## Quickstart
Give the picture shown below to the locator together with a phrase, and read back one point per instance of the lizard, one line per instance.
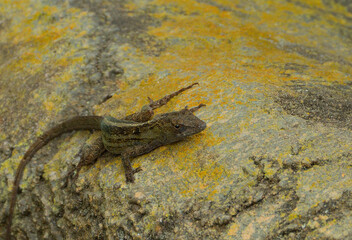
(131, 136)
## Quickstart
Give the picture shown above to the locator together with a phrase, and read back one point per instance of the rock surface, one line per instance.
(273, 163)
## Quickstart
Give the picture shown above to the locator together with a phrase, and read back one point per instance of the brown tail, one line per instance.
(75, 123)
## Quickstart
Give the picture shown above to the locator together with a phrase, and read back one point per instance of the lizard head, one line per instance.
(181, 124)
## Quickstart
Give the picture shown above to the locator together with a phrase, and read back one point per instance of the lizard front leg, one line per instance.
(132, 152)
(144, 115)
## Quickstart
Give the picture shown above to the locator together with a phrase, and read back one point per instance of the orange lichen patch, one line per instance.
(188, 164)
(81, 34)
(37, 47)
(233, 230)
(49, 106)
(51, 102)
(211, 172)
(130, 6)
(206, 39)
(39, 35)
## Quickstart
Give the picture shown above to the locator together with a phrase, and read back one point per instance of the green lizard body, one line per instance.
(134, 135)
(165, 128)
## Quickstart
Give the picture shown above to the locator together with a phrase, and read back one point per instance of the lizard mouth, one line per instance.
(191, 131)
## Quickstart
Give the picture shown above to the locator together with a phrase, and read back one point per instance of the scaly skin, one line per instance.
(134, 135)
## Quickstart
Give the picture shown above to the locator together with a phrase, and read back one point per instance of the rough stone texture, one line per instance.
(274, 162)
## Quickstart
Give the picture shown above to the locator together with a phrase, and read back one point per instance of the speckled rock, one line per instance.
(273, 163)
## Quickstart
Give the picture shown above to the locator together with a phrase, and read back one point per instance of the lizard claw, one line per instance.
(151, 101)
(71, 176)
(130, 175)
(65, 182)
(196, 108)
(136, 170)
(129, 178)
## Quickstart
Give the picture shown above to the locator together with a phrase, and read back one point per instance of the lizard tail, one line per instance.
(75, 123)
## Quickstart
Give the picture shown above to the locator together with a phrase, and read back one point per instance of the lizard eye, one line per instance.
(177, 126)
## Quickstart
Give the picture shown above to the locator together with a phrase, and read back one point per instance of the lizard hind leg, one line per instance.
(146, 113)
(163, 101)
(89, 155)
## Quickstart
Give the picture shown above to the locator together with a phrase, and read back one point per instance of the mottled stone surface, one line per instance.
(274, 162)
